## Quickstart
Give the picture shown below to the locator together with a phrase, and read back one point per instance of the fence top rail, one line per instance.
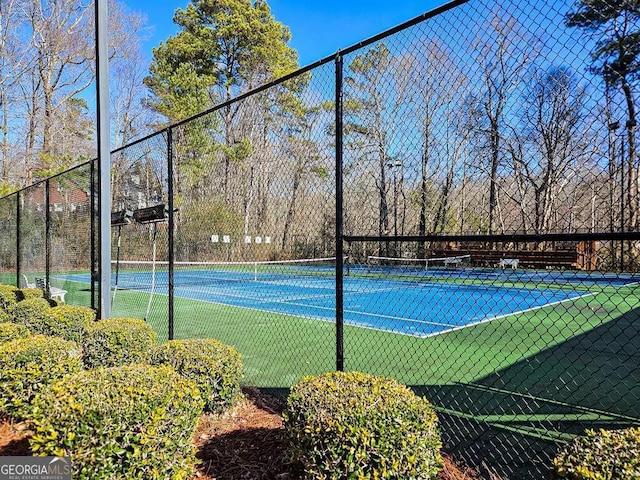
(518, 237)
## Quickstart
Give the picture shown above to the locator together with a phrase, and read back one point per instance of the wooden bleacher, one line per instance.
(580, 257)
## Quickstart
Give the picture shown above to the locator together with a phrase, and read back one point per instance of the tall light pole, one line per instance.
(104, 156)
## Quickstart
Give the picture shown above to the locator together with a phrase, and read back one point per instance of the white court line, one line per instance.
(487, 320)
(262, 298)
(278, 283)
(439, 324)
(292, 301)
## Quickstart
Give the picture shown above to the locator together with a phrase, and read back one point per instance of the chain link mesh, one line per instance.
(488, 216)
(140, 182)
(259, 193)
(487, 125)
(70, 219)
(8, 240)
(32, 212)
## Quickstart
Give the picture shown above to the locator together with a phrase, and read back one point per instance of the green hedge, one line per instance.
(11, 331)
(117, 341)
(30, 365)
(8, 296)
(134, 421)
(66, 321)
(28, 293)
(215, 367)
(5, 317)
(352, 425)
(32, 313)
(600, 455)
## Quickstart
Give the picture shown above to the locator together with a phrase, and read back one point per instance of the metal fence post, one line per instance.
(18, 243)
(92, 241)
(339, 232)
(47, 238)
(170, 227)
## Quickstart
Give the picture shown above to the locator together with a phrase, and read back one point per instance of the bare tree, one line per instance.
(62, 42)
(438, 88)
(503, 54)
(554, 127)
(12, 53)
(305, 158)
(127, 68)
(373, 111)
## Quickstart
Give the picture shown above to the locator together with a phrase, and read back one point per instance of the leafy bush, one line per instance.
(133, 421)
(66, 321)
(11, 331)
(601, 455)
(117, 341)
(353, 425)
(8, 296)
(5, 317)
(215, 367)
(28, 293)
(28, 366)
(32, 313)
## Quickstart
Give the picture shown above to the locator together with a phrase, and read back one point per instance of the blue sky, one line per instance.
(318, 28)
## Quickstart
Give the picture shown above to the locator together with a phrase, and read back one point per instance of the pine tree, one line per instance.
(233, 45)
(616, 57)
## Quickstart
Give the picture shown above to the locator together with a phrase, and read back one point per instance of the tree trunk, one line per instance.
(632, 167)
(422, 222)
(493, 186)
(291, 211)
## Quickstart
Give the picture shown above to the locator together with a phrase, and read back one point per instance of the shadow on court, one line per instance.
(500, 422)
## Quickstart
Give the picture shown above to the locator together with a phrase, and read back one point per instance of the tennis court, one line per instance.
(409, 301)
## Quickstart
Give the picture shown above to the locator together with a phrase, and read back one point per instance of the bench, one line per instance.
(453, 261)
(26, 282)
(526, 258)
(509, 262)
(54, 292)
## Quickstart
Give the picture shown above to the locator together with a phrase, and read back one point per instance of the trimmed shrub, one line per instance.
(117, 341)
(32, 313)
(11, 331)
(28, 293)
(215, 367)
(353, 425)
(133, 421)
(600, 455)
(8, 296)
(66, 321)
(5, 317)
(30, 365)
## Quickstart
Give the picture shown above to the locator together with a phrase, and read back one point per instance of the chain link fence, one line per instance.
(453, 203)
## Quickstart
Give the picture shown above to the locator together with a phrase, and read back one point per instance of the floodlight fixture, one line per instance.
(120, 218)
(157, 213)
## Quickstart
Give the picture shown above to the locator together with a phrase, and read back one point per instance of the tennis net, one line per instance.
(140, 274)
(401, 265)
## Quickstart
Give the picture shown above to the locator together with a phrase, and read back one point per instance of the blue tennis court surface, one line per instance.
(417, 308)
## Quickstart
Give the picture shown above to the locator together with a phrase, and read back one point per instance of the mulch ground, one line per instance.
(246, 442)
